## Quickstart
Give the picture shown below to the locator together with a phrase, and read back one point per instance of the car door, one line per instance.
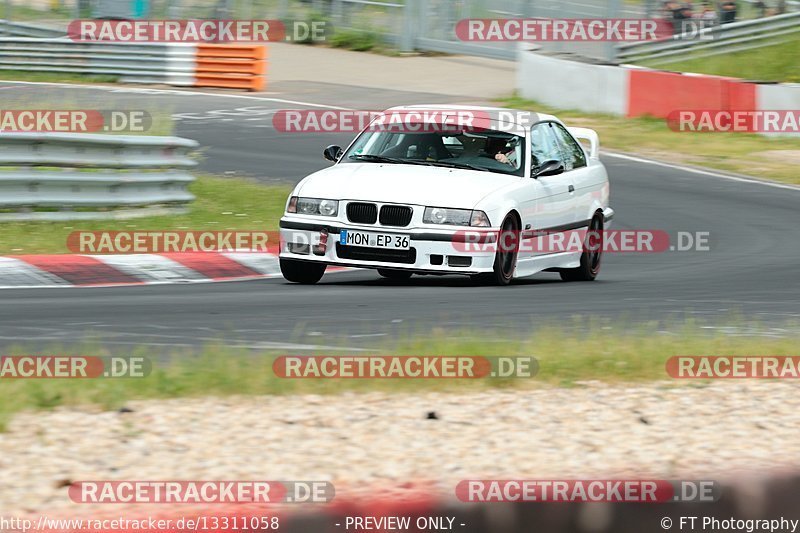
(551, 207)
(585, 182)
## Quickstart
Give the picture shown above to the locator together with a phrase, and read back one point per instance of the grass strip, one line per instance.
(770, 63)
(55, 77)
(567, 357)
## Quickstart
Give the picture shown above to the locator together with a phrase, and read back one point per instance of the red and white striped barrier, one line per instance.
(634, 91)
(72, 270)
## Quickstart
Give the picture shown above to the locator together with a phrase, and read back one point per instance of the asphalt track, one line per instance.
(747, 282)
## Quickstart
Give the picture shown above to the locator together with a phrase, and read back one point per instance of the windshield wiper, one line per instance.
(458, 165)
(377, 158)
(384, 159)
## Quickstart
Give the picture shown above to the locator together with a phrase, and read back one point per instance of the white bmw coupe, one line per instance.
(452, 190)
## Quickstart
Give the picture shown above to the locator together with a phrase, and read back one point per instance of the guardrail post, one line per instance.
(614, 10)
(408, 38)
(336, 14)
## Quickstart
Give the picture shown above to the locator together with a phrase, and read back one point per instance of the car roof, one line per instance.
(494, 113)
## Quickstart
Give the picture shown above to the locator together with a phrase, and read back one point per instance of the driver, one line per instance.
(504, 152)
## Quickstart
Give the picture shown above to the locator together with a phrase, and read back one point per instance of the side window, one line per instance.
(544, 145)
(573, 153)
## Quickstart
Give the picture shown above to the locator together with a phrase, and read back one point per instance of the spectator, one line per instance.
(761, 8)
(708, 16)
(679, 14)
(781, 7)
(727, 11)
(666, 9)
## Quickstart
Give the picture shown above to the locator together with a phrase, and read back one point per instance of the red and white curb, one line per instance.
(28, 271)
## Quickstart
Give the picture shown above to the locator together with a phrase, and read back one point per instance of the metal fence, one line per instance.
(67, 176)
(407, 25)
(429, 25)
(725, 39)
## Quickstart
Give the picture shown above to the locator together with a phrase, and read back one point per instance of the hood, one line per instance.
(407, 184)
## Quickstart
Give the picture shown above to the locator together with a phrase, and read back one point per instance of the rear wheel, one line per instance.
(505, 259)
(304, 272)
(397, 275)
(591, 256)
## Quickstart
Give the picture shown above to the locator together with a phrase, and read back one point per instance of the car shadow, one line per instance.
(432, 281)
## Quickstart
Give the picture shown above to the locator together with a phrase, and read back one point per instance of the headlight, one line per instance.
(455, 217)
(313, 206)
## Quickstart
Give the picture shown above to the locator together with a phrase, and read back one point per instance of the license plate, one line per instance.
(371, 239)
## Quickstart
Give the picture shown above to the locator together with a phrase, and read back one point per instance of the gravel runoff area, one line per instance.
(357, 441)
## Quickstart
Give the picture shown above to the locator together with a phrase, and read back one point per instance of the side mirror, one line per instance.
(332, 153)
(551, 167)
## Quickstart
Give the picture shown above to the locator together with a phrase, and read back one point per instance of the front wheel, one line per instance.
(505, 259)
(303, 272)
(396, 275)
(592, 253)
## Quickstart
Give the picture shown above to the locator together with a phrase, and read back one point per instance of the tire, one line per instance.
(396, 275)
(505, 261)
(590, 259)
(304, 272)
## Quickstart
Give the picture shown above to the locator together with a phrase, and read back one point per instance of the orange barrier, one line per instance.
(655, 93)
(232, 66)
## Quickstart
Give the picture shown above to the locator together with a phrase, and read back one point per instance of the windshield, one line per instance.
(485, 150)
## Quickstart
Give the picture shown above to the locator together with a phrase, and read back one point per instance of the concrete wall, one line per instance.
(634, 92)
(572, 85)
(778, 96)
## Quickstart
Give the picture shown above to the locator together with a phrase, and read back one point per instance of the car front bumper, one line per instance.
(439, 251)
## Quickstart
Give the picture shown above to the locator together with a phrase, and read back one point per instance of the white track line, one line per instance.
(144, 90)
(731, 177)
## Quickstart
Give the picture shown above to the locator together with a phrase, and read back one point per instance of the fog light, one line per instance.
(459, 260)
(299, 248)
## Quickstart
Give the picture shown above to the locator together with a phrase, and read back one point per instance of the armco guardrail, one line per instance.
(237, 66)
(724, 39)
(92, 173)
(22, 29)
(168, 63)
